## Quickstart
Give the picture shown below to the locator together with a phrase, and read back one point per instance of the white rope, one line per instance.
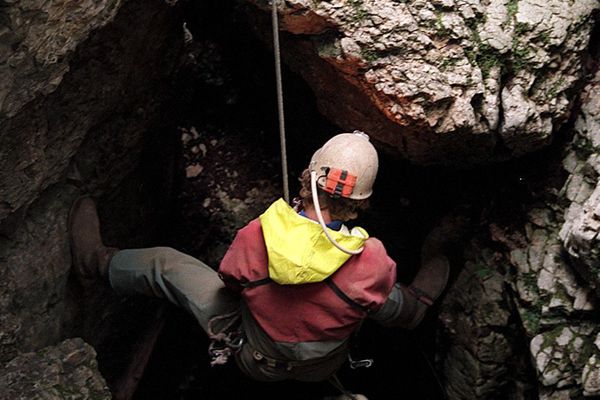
(278, 79)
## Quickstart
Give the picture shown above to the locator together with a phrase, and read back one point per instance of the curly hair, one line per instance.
(341, 208)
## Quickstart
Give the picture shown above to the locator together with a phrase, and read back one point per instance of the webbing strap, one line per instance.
(344, 296)
(328, 281)
(258, 282)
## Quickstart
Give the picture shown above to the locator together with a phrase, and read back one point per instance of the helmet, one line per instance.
(346, 166)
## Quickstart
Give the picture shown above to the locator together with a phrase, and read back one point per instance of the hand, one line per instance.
(451, 229)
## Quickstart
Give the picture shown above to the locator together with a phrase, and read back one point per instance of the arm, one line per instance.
(406, 305)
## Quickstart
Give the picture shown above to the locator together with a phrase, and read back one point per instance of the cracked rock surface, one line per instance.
(546, 259)
(445, 81)
(37, 40)
(580, 232)
(66, 371)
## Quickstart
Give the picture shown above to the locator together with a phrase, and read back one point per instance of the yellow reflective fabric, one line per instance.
(298, 250)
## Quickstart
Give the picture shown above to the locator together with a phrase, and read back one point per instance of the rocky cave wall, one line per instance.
(525, 306)
(84, 88)
(443, 81)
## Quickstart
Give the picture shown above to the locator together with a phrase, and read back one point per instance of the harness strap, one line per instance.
(329, 282)
(345, 297)
(286, 365)
(258, 282)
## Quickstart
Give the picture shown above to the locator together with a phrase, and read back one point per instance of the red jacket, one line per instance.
(327, 311)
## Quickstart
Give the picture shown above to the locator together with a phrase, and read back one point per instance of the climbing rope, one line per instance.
(278, 80)
(335, 382)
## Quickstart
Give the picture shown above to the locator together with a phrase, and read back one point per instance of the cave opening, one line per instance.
(222, 115)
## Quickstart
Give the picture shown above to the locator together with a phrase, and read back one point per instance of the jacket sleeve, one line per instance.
(390, 313)
(245, 258)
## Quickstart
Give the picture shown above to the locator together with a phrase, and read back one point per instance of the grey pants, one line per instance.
(167, 273)
(189, 283)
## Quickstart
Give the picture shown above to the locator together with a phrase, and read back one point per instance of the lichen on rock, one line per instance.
(439, 78)
(548, 257)
(580, 232)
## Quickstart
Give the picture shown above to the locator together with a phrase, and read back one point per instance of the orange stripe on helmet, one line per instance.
(339, 182)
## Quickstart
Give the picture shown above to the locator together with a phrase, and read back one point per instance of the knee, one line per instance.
(167, 259)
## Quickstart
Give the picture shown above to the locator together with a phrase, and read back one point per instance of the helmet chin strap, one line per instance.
(315, 198)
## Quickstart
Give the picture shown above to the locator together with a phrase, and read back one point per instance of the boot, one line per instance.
(432, 277)
(90, 256)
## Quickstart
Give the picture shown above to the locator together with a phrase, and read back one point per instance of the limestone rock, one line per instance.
(442, 81)
(37, 41)
(560, 351)
(591, 376)
(32, 297)
(38, 141)
(580, 231)
(480, 360)
(59, 144)
(553, 290)
(591, 372)
(66, 371)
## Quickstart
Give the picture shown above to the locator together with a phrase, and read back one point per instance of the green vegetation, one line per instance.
(595, 270)
(447, 62)
(551, 336)
(529, 280)
(483, 271)
(369, 55)
(584, 148)
(544, 37)
(520, 56)
(488, 58)
(512, 8)
(520, 28)
(439, 25)
(531, 320)
(556, 87)
(360, 12)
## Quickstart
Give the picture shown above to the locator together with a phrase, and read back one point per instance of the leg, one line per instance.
(167, 273)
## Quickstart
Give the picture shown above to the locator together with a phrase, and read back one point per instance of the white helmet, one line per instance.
(346, 166)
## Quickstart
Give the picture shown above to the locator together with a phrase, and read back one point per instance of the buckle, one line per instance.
(236, 343)
(366, 363)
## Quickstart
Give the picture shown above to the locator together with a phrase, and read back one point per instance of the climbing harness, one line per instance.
(228, 341)
(280, 113)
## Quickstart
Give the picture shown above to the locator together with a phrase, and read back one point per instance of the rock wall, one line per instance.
(66, 371)
(82, 86)
(543, 314)
(37, 43)
(447, 81)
